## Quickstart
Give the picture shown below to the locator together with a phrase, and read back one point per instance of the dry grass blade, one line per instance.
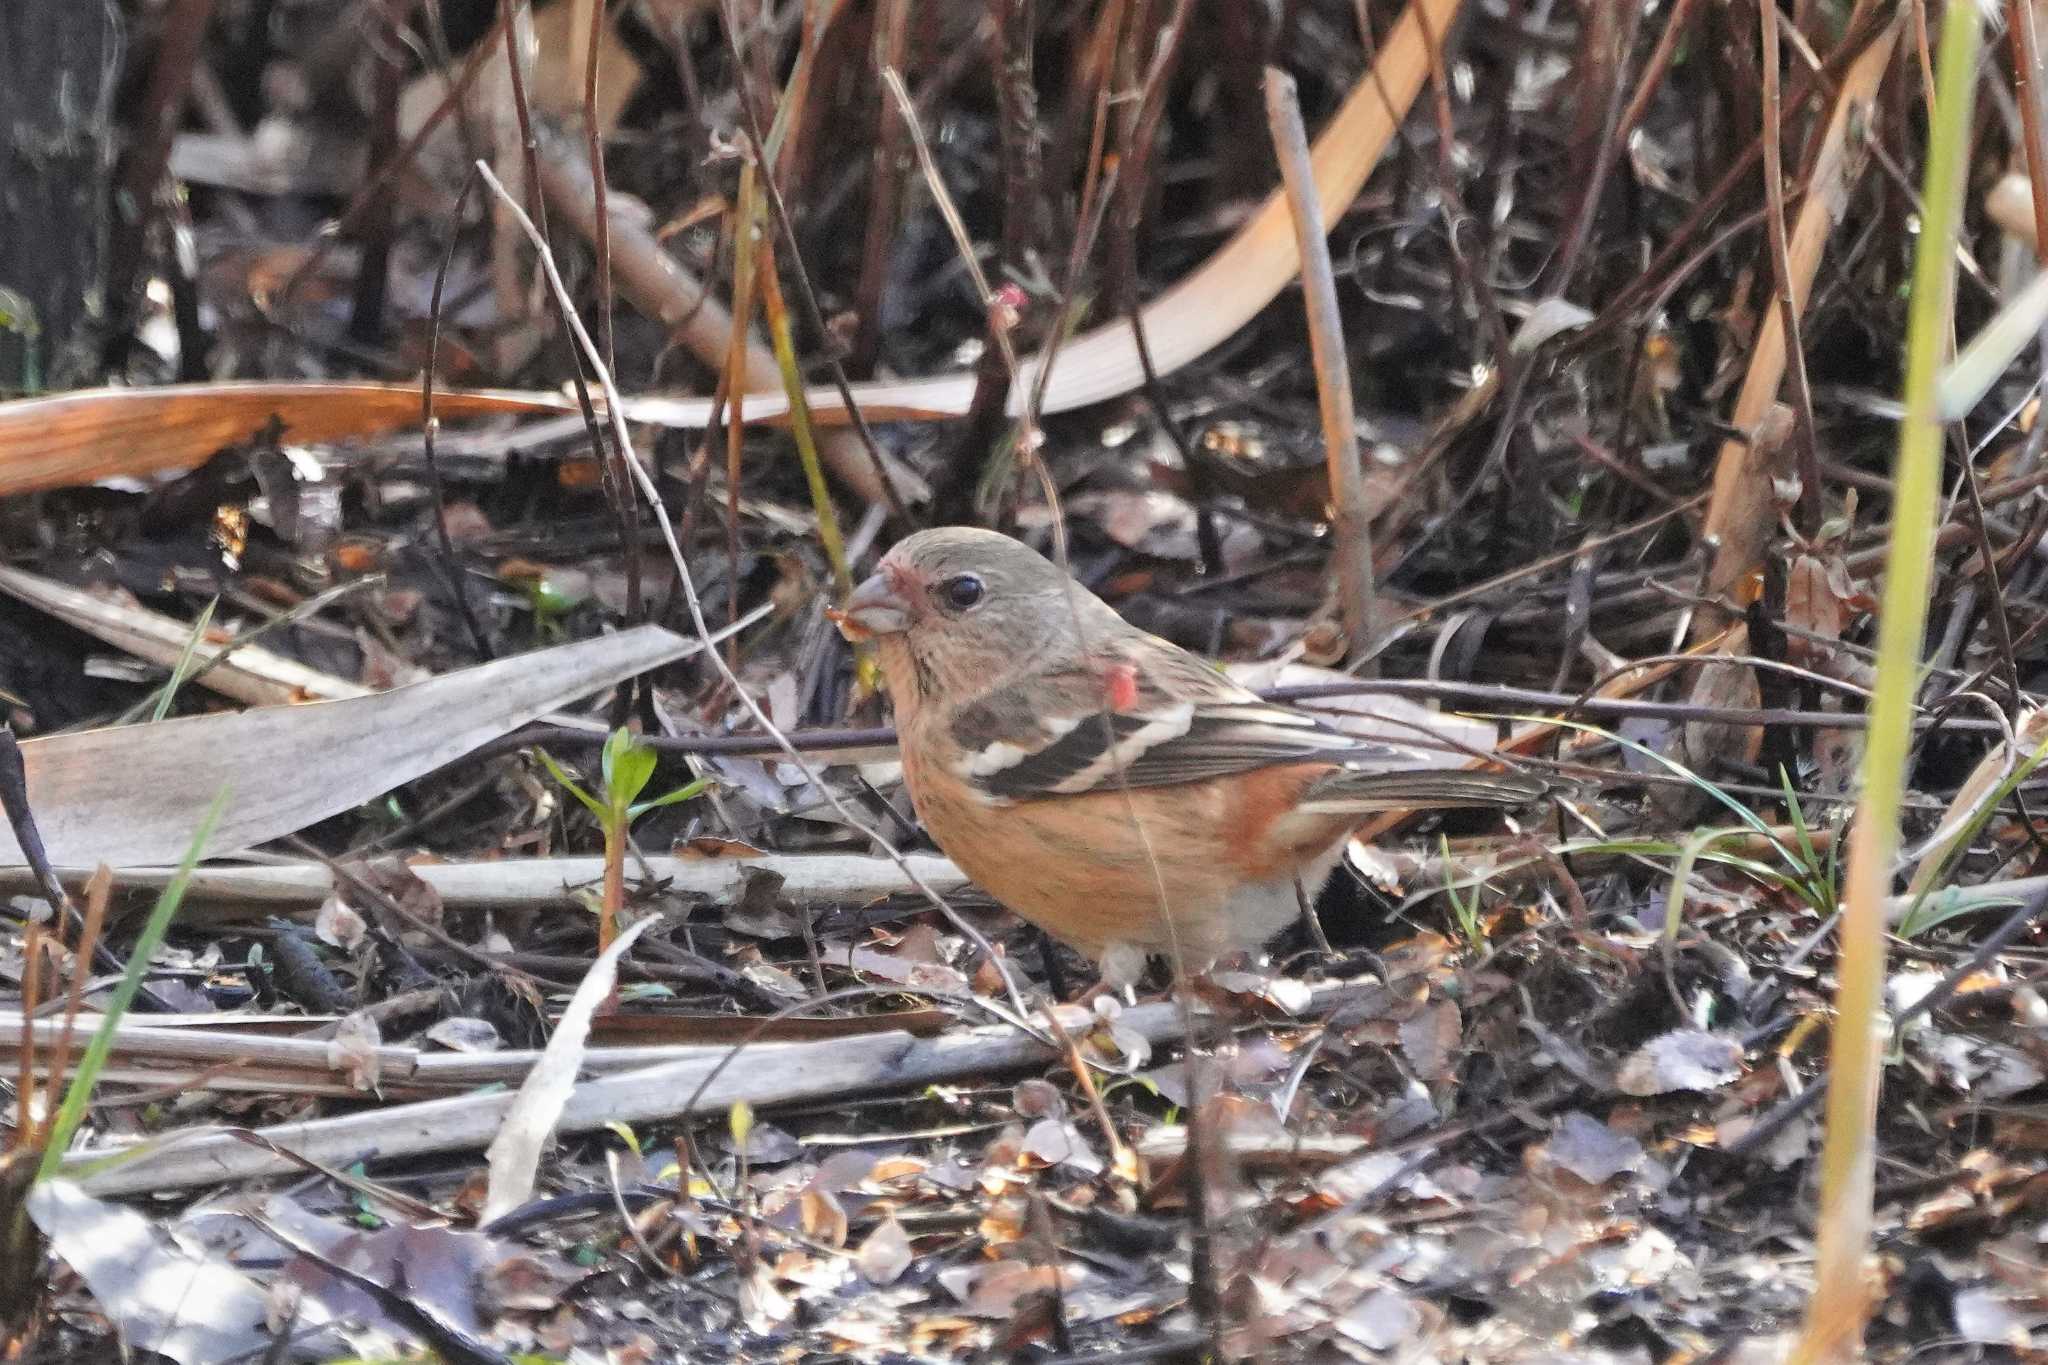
(125, 795)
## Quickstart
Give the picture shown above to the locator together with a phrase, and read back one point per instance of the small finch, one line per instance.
(1105, 784)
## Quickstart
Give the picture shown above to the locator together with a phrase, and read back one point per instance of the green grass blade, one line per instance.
(183, 670)
(1835, 1316)
(1742, 812)
(78, 1094)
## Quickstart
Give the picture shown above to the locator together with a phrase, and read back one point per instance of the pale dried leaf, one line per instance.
(822, 1218)
(160, 1296)
(1683, 1059)
(353, 1050)
(514, 1155)
(1430, 1039)
(337, 924)
(885, 1255)
(1383, 1320)
(1592, 1151)
(464, 1033)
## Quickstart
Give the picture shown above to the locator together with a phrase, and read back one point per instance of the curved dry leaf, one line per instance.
(1056, 1142)
(466, 1033)
(76, 438)
(1591, 1150)
(1384, 1320)
(354, 1050)
(821, 1217)
(1430, 1040)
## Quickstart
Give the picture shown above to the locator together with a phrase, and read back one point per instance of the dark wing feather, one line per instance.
(1056, 734)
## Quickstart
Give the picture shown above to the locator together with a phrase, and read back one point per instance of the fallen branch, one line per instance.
(807, 878)
(775, 1074)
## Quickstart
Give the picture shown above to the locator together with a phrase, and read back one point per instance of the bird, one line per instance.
(1116, 790)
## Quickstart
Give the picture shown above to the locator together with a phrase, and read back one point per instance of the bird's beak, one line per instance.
(875, 608)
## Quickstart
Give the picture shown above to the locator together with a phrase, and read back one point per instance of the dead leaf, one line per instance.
(337, 924)
(160, 1295)
(821, 1218)
(1383, 1320)
(1683, 1059)
(86, 435)
(514, 1154)
(1430, 1040)
(1591, 1150)
(463, 1033)
(885, 1255)
(353, 1050)
(1055, 1142)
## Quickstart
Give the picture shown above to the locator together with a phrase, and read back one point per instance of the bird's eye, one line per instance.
(962, 591)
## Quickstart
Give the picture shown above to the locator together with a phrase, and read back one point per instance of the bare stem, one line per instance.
(1357, 597)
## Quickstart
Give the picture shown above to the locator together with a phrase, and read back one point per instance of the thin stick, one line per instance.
(2026, 92)
(1357, 599)
(430, 427)
(26, 1122)
(617, 484)
(98, 892)
(948, 210)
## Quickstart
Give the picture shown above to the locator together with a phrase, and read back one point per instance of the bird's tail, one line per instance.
(1363, 791)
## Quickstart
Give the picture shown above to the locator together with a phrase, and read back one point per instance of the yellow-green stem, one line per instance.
(1834, 1322)
(800, 418)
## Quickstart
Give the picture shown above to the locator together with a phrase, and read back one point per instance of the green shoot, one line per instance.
(627, 766)
(1464, 908)
(1804, 867)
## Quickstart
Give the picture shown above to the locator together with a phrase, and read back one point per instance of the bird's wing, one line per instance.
(1140, 714)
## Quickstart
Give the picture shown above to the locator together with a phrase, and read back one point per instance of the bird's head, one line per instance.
(956, 598)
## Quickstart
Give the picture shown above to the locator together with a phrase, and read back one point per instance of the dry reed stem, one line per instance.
(1827, 190)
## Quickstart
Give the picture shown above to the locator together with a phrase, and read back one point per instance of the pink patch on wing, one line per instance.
(1120, 686)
